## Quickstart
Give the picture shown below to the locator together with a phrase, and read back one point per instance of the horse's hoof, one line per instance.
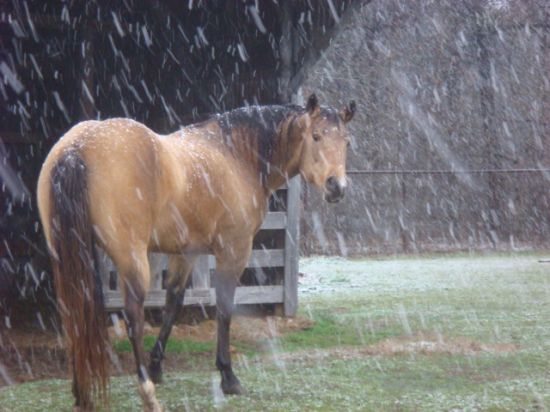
(233, 389)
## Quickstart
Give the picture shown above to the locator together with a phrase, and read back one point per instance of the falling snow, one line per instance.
(448, 152)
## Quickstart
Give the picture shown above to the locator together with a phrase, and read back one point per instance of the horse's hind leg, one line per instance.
(230, 264)
(179, 268)
(135, 277)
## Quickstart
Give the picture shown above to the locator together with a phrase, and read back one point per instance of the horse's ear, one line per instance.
(347, 112)
(312, 105)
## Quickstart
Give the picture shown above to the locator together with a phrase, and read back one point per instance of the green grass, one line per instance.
(330, 331)
(172, 346)
(487, 299)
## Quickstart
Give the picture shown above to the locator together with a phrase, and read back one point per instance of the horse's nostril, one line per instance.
(332, 184)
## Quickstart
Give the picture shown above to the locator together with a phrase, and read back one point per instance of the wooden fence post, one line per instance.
(292, 247)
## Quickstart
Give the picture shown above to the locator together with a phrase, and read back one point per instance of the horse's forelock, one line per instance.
(330, 114)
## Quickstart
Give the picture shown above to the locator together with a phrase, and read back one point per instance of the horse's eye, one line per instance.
(316, 137)
(348, 144)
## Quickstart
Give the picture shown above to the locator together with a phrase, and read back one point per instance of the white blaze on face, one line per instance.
(340, 175)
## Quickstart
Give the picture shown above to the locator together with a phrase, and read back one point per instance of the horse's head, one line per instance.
(325, 142)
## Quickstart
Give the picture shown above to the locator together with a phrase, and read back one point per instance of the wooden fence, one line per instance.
(271, 276)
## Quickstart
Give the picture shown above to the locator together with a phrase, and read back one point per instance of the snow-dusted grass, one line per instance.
(502, 298)
(361, 307)
(395, 275)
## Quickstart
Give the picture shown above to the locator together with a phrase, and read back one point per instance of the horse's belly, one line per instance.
(179, 236)
(176, 246)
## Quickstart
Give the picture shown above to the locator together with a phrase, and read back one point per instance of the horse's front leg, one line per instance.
(179, 268)
(230, 264)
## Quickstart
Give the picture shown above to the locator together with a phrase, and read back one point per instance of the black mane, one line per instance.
(261, 123)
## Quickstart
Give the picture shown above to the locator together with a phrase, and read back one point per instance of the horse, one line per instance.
(202, 189)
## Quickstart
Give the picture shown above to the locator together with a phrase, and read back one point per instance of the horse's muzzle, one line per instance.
(334, 191)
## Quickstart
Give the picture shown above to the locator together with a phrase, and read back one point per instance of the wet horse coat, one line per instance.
(202, 189)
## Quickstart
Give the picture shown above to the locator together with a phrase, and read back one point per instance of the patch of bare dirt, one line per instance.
(419, 344)
(247, 329)
(426, 345)
(31, 354)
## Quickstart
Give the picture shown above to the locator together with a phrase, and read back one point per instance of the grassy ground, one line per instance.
(407, 334)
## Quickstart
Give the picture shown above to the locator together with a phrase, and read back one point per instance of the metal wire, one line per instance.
(444, 171)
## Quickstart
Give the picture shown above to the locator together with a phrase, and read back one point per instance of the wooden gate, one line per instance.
(272, 271)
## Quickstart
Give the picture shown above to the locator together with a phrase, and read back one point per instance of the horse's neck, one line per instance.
(286, 159)
(280, 172)
(262, 149)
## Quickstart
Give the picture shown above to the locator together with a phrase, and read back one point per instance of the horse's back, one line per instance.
(170, 193)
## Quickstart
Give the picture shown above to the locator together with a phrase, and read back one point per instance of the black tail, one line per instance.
(78, 289)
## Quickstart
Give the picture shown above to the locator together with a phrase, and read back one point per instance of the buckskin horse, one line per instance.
(203, 189)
